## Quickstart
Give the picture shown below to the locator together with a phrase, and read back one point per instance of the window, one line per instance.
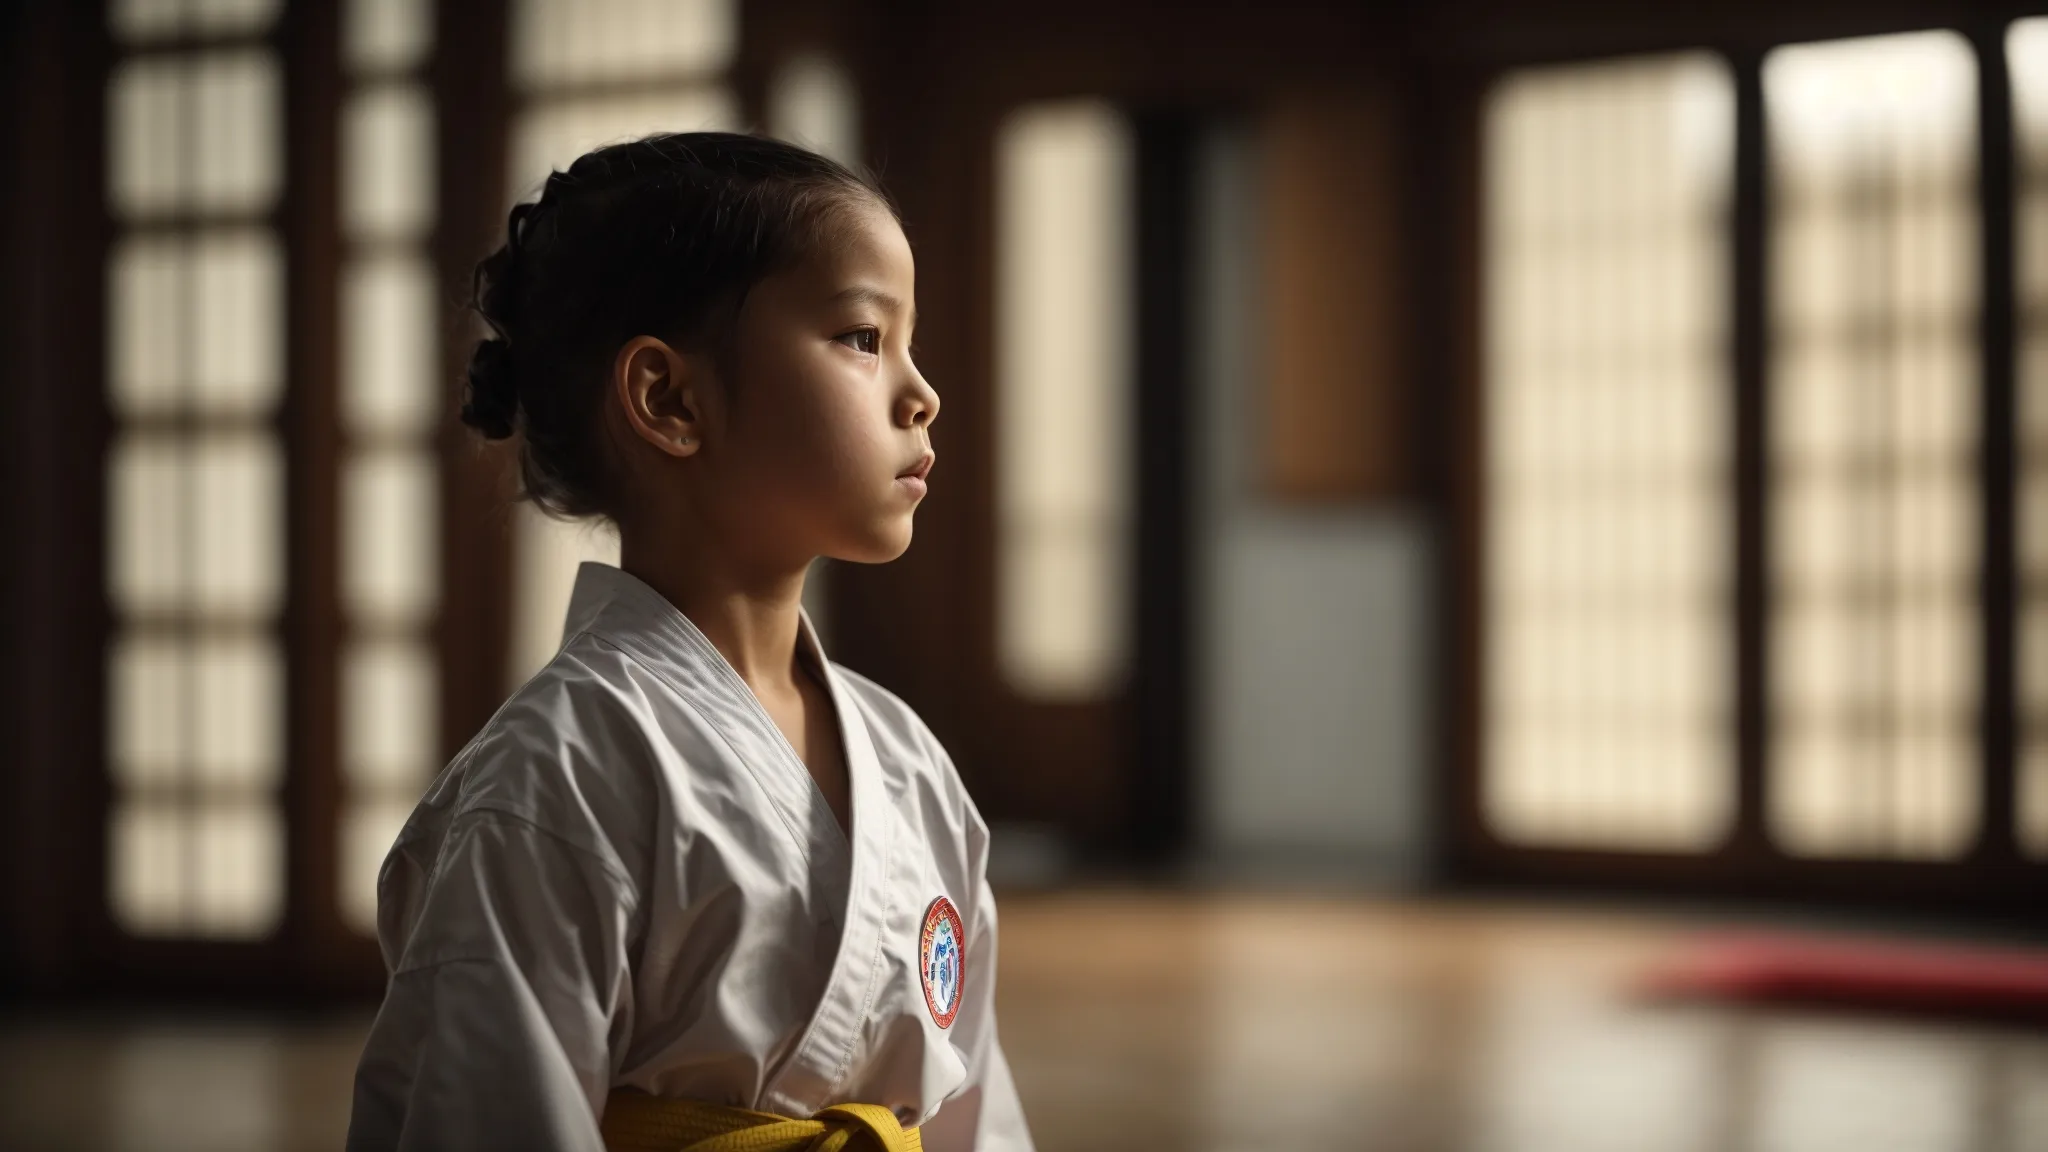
(1609, 718)
(1063, 397)
(1874, 381)
(391, 403)
(2027, 55)
(586, 73)
(812, 102)
(194, 522)
(1612, 467)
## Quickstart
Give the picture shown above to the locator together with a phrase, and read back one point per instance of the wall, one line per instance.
(1313, 703)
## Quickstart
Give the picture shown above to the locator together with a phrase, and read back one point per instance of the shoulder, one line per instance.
(570, 753)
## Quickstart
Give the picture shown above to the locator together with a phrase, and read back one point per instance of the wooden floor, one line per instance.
(1224, 1024)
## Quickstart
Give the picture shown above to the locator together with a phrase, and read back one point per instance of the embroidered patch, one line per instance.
(942, 961)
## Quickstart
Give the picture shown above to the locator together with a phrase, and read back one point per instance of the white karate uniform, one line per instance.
(629, 879)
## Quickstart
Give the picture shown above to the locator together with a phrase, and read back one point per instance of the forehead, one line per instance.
(861, 246)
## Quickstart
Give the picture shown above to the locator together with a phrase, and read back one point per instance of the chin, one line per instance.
(881, 545)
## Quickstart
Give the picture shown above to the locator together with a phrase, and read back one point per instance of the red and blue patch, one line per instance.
(942, 961)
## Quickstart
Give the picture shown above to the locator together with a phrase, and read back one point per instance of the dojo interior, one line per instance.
(1488, 565)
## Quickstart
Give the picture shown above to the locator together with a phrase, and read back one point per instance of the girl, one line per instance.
(692, 878)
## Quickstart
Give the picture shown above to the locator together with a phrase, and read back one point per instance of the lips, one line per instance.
(919, 470)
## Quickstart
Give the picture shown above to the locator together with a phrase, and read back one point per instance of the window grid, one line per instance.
(1608, 586)
(391, 406)
(194, 517)
(1065, 235)
(2027, 58)
(1874, 388)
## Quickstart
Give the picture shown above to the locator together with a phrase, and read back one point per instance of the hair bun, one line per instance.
(493, 398)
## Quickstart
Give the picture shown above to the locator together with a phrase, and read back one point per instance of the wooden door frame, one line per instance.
(937, 86)
(54, 429)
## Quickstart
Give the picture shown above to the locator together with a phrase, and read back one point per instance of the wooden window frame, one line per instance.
(312, 954)
(1992, 879)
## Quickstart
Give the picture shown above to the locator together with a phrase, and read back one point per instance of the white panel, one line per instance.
(149, 707)
(558, 41)
(148, 317)
(238, 341)
(387, 163)
(1874, 397)
(149, 514)
(197, 132)
(1607, 589)
(149, 845)
(368, 829)
(390, 383)
(140, 20)
(390, 712)
(148, 154)
(2027, 57)
(216, 17)
(238, 162)
(238, 525)
(1063, 382)
(812, 102)
(1831, 102)
(390, 568)
(2026, 54)
(387, 35)
(551, 136)
(546, 554)
(238, 702)
(1055, 574)
(238, 877)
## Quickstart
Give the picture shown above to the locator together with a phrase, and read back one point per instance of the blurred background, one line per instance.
(1489, 567)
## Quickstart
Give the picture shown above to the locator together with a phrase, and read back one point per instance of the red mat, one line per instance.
(1977, 981)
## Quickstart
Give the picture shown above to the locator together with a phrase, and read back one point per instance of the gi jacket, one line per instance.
(629, 879)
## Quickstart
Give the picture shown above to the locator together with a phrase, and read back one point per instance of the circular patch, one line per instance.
(942, 961)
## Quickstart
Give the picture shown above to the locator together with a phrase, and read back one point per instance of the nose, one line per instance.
(918, 406)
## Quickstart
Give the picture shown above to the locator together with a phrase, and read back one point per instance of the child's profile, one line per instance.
(693, 879)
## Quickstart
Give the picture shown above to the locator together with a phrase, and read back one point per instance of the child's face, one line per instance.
(827, 430)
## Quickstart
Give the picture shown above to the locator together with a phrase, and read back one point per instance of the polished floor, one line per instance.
(1230, 1024)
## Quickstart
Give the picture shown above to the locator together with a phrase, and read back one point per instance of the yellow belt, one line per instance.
(637, 1122)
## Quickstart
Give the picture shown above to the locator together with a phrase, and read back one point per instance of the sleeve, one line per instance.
(985, 1114)
(504, 1015)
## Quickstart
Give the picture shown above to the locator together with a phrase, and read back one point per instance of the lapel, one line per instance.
(814, 1068)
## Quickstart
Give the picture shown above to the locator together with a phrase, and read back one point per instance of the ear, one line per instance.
(659, 392)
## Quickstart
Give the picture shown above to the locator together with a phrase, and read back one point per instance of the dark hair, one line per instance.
(663, 236)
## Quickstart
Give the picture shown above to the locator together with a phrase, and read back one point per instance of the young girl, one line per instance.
(693, 879)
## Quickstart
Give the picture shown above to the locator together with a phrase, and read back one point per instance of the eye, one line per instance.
(867, 340)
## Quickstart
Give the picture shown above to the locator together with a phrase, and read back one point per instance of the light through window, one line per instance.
(391, 404)
(195, 472)
(1607, 466)
(2027, 57)
(1064, 319)
(1874, 379)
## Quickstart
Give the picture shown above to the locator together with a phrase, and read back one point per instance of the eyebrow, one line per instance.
(865, 294)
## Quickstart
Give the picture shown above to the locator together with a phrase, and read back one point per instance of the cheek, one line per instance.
(815, 427)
